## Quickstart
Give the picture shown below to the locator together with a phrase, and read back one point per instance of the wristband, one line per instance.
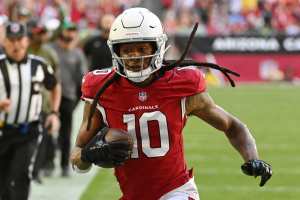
(55, 113)
(81, 171)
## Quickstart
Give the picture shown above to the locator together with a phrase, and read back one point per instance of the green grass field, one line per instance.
(272, 112)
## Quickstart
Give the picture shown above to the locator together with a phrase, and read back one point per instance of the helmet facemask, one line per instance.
(139, 75)
(153, 62)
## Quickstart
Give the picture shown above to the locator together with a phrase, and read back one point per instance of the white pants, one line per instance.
(187, 191)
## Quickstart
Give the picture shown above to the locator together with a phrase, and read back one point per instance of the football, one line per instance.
(114, 134)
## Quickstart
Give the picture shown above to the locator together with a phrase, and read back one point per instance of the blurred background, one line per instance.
(260, 39)
(263, 32)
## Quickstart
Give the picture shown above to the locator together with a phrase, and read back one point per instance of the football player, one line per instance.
(152, 105)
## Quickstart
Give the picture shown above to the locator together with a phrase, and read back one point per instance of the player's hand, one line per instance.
(105, 154)
(5, 105)
(52, 123)
(258, 168)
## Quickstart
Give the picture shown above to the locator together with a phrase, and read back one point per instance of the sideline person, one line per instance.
(22, 77)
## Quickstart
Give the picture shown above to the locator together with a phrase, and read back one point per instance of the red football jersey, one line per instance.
(155, 117)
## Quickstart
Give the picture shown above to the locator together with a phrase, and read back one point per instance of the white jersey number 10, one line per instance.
(158, 116)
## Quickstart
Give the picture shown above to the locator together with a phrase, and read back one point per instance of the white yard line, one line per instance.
(58, 188)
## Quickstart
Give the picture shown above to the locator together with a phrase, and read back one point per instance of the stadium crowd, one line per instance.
(216, 17)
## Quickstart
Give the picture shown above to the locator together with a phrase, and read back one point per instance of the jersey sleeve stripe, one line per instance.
(183, 109)
(99, 107)
(89, 100)
(102, 111)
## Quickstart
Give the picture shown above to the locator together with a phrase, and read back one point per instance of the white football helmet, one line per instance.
(137, 25)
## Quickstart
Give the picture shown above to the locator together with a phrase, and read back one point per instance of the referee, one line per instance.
(22, 77)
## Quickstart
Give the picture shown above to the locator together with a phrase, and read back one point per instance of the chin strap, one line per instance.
(140, 76)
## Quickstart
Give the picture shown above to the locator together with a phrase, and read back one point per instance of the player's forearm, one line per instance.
(77, 162)
(242, 140)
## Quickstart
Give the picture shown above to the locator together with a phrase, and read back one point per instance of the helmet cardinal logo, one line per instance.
(143, 96)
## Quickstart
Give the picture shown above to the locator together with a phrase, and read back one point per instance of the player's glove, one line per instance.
(105, 154)
(258, 168)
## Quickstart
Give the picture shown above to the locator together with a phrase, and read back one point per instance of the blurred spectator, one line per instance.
(203, 8)
(269, 70)
(96, 48)
(213, 77)
(11, 9)
(183, 4)
(216, 17)
(2, 8)
(110, 7)
(235, 6)
(78, 9)
(38, 46)
(186, 20)
(73, 66)
(170, 22)
(46, 151)
(23, 15)
(249, 5)
(289, 74)
(155, 6)
(78, 13)
(218, 20)
(87, 13)
(56, 9)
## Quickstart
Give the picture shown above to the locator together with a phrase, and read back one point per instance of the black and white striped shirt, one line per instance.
(22, 83)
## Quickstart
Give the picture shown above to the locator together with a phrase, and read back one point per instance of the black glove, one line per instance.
(105, 154)
(258, 168)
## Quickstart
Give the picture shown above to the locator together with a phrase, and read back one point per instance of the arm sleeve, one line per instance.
(50, 80)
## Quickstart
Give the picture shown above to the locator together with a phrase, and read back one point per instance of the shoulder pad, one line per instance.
(93, 80)
(188, 81)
